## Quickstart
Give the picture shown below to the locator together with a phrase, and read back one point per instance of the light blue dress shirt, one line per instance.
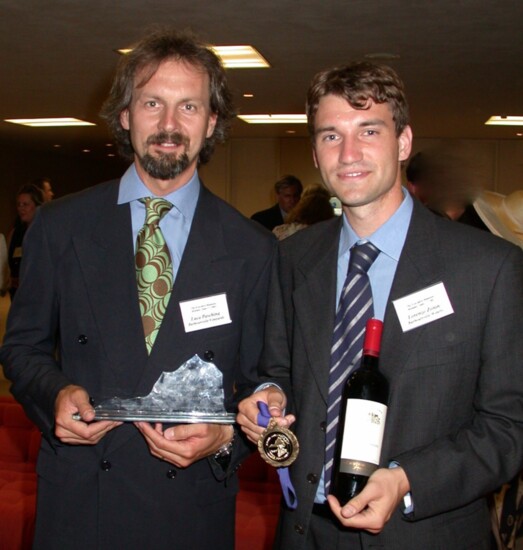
(176, 224)
(389, 238)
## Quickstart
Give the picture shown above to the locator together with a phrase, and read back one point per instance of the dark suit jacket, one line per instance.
(269, 218)
(455, 418)
(79, 289)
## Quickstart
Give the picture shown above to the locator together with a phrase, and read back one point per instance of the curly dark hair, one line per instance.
(145, 58)
(357, 83)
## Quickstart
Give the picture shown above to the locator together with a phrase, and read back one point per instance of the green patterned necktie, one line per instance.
(154, 272)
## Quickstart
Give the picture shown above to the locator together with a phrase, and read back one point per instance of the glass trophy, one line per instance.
(191, 394)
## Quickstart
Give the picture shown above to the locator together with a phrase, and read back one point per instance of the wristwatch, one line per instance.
(223, 454)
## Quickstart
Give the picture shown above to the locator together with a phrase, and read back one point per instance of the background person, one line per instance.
(288, 191)
(28, 199)
(314, 206)
(446, 183)
(44, 184)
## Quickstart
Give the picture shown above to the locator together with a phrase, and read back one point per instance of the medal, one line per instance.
(278, 446)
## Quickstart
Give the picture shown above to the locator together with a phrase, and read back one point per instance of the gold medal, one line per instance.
(278, 446)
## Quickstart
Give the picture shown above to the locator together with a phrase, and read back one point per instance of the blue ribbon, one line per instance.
(289, 494)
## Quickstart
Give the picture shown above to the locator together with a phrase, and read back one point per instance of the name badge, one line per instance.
(207, 312)
(423, 306)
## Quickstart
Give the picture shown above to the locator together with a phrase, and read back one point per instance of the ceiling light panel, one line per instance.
(232, 57)
(48, 122)
(274, 119)
(501, 120)
(240, 57)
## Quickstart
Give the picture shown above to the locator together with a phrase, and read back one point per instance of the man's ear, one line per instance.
(405, 143)
(124, 119)
(314, 158)
(211, 125)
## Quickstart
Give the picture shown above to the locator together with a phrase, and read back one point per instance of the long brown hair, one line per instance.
(145, 58)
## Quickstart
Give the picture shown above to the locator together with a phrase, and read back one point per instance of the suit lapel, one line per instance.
(106, 257)
(315, 301)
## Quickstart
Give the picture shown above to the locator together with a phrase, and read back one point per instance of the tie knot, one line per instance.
(155, 209)
(362, 256)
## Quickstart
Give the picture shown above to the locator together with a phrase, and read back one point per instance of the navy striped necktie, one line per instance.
(355, 307)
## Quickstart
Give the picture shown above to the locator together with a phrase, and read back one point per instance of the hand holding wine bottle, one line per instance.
(364, 496)
(372, 508)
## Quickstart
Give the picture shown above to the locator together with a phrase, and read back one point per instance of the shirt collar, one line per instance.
(184, 199)
(389, 237)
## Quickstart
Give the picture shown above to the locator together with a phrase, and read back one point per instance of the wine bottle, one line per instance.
(363, 412)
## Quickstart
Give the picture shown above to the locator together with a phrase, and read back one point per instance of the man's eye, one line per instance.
(151, 104)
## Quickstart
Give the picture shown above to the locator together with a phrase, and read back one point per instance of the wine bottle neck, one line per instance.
(370, 361)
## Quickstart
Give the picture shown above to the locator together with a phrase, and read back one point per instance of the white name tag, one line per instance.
(211, 311)
(422, 307)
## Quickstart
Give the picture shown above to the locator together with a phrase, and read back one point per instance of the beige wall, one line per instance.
(243, 171)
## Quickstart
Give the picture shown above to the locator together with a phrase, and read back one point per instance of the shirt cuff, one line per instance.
(407, 504)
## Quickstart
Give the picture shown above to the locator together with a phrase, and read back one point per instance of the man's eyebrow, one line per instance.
(362, 124)
(325, 129)
(372, 122)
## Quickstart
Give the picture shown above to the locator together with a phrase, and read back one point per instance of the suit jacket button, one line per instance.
(323, 426)
(299, 529)
(209, 355)
(312, 478)
(171, 474)
(82, 339)
(105, 465)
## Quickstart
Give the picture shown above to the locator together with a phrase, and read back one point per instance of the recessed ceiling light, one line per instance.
(46, 122)
(249, 96)
(502, 120)
(232, 57)
(274, 119)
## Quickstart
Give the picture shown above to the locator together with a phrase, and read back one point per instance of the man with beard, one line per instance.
(80, 330)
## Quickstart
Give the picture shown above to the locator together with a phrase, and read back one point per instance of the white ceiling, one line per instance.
(461, 60)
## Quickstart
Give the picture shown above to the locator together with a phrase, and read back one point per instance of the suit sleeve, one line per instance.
(276, 357)
(28, 354)
(252, 339)
(486, 451)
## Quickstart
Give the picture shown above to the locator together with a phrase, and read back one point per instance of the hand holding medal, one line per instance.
(279, 447)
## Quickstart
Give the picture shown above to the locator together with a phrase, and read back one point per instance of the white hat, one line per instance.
(503, 215)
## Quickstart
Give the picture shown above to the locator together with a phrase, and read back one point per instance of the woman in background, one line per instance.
(28, 199)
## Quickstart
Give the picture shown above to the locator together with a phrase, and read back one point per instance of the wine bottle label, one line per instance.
(362, 434)
(357, 467)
